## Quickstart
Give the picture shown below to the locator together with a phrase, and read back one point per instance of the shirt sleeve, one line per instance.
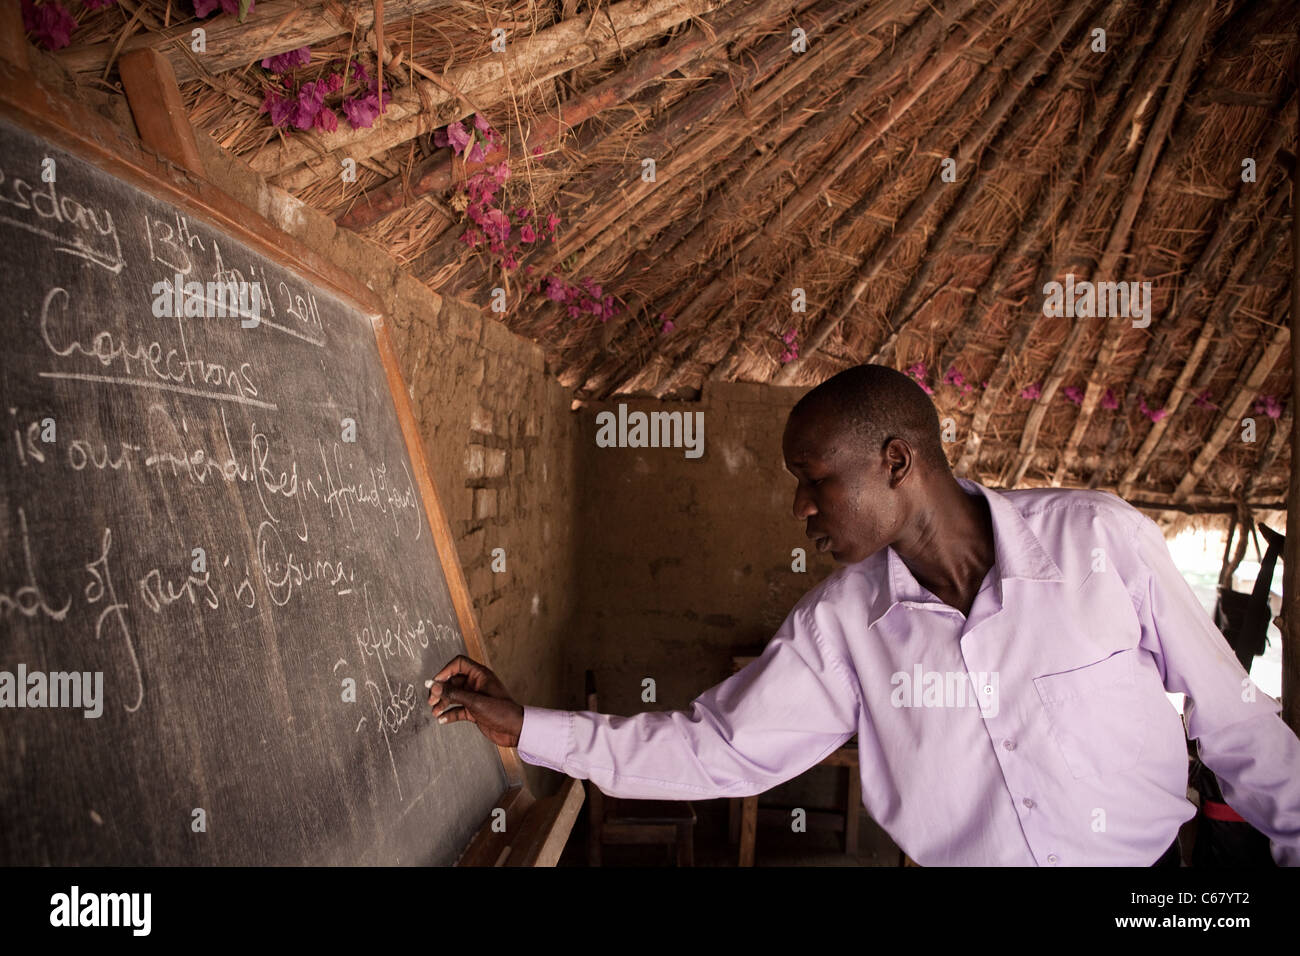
(767, 723)
(1240, 736)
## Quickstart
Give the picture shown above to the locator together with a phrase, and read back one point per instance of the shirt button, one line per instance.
(1029, 804)
(988, 688)
(1009, 744)
(1051, 858)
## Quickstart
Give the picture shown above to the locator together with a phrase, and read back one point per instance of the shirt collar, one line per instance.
(1017, 552)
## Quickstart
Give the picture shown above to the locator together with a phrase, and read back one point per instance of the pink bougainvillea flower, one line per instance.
(555, 290)
(97, 4)
(205, 8)
(526, 233)
(362, 110)
(280, 107)
(327, 120)
(552, 221)
(574, 312)
(50, 24)
(497, 223)
(1108, 400)
(537, 150)
(455, 136)
(953, 377)
(1073, 393)
(917, 372)
(284, 62)
(984, 384)
(510, 261)
(668, 325)
(1155, 415)
(331, 82)
(1031, 391)
(359, 73)
(790, 354)
(1268, 405)
(481, 123)
(311, 97)
(471, 237)
(500, 172)
(607, 308)
(475, 153)
(523, 212)
(789, 336)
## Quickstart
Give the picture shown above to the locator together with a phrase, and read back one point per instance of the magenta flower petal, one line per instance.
(284, 62)
(50, 25)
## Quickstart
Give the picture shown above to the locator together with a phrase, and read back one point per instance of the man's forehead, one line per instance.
(813, 433)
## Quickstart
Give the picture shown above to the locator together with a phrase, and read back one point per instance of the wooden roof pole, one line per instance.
(919, 34)
(1240, 19)
(1059, 192)
(1148, 85)
(768, 71)
(272, 27)
(1157, 353)
(1119, 237)
(669, 241)
(1150, 69)
(1276, 442)
(425, 106)
(751, 331)
(647, 67)
(907, 307)
(1215, 329)
(809, 192)
(967, 151)
(1255, 371)
(1291, 553)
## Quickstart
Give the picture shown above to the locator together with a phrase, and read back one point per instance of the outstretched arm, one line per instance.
(760, 727)
(1251, 750)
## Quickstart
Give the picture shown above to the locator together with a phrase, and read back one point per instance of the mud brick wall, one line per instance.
(686, 562)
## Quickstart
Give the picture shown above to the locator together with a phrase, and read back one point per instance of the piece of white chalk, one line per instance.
(428, 683)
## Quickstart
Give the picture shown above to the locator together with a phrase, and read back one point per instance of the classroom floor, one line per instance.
(774, 845)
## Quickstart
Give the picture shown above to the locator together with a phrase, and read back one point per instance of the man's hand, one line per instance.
(466, 690)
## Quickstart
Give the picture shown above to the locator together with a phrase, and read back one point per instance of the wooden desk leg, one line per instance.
(733, 820)
(851, 812)
(685, 844)
(748, 830)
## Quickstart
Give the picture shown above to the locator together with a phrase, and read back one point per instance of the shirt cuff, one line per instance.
(546, 737)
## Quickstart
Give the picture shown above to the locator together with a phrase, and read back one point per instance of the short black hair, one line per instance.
(881, 403)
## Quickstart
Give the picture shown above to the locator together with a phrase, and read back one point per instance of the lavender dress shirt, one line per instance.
(1035, 732)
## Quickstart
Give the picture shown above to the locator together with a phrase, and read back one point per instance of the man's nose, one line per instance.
(804, 508)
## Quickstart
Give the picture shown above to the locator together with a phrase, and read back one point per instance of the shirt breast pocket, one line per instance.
(1095, 714)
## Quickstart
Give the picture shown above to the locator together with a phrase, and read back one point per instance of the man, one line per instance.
(1002, 657)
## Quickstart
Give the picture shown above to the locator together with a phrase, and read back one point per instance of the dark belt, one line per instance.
(1171, 858)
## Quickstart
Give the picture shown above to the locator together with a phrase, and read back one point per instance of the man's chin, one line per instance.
(848, 555)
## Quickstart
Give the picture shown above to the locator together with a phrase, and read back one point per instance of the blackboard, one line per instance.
(131, 439)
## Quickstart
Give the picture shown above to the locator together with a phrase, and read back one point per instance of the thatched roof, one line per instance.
(824, 170)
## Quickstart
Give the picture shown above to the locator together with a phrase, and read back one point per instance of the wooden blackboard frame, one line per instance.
(535, 830)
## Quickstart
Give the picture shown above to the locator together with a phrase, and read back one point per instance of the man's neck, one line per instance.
(953, 548)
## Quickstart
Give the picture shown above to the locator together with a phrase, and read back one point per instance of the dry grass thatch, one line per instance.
(821, 171)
